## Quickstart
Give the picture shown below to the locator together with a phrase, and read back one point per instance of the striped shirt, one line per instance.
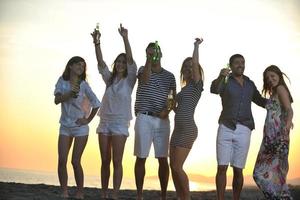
(152, 96)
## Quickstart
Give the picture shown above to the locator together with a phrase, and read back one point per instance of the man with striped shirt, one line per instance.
(152, 122)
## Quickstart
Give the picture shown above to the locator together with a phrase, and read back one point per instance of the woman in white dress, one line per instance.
(115, 111)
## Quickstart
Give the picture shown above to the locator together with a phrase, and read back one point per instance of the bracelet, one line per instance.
(96, 43)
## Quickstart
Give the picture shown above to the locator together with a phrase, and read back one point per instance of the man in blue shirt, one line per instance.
(236, 122)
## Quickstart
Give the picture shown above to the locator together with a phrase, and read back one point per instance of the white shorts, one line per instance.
(150, 129)
(233, 145)
(110, 128)
(74, 131)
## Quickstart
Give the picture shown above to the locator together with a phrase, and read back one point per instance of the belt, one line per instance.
(149, 113)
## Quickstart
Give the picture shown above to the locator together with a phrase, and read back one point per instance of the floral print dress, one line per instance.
(271, 166)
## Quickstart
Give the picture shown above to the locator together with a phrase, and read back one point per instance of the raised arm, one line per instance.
(197, 73)
(216, 85)
(96, 39)
(145, 75)
(124, 33)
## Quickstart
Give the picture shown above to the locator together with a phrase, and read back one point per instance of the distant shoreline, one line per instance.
(44, 192)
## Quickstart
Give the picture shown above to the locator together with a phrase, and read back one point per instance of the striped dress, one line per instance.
(185, 130)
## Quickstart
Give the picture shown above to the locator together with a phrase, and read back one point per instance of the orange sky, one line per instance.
(37, 39)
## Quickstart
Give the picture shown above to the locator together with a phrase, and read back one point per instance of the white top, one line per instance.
(116, 102)
(75, 108)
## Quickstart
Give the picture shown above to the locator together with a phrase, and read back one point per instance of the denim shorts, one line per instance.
(233, 145)
(74, 131)
(116, 127)
(148, 130)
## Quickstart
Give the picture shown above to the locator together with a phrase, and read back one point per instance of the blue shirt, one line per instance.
(236, 101)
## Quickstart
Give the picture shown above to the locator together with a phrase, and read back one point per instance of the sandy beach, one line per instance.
(19, 191)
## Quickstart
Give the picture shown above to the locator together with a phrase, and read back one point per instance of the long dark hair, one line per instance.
(182, 81)
(114, 72)
(67, 71)
(267, 89)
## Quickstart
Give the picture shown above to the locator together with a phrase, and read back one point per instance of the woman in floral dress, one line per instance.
(271, 166)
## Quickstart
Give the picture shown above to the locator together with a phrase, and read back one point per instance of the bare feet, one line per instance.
(64, 194)
(139, 197)
(104, 195)
(115, 195)
(79, 195)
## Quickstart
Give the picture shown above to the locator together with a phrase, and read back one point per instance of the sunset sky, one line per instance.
(37, 38)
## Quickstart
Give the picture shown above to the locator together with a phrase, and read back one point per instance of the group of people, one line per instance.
(152, 125)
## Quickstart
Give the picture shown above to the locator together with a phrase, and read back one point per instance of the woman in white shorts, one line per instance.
(72, 91)
(115, 112)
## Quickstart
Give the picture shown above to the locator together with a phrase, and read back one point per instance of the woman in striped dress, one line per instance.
(185, 130)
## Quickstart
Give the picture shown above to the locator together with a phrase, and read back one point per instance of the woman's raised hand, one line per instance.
(123, 31)
(96, 36)
(198, 41)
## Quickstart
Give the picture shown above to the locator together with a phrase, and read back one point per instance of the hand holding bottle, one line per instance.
(96, 34)
(75, 86)
(225, 73)
(171, 101)
(154, 53)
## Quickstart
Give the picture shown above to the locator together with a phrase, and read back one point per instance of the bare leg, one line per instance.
(163, 173)
(178, 156)
(237, 182)
(64, 144)
(78, 148)
(105, 151)
(221, 181)
(139, 171)
(174, 177)
(118, 143)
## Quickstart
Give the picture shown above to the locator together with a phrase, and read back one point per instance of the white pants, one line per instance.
(150, 129)
(233, 145)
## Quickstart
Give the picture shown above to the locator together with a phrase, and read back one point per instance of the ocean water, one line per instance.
(50, 178)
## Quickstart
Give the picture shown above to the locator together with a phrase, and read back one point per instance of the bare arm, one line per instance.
(96, 39)
(124, 33)
(92, 114)
(85, 121)
(94, 102)
(60, 98)
(284, 99)
(145, 75)
(196, 68)
(75, 87)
